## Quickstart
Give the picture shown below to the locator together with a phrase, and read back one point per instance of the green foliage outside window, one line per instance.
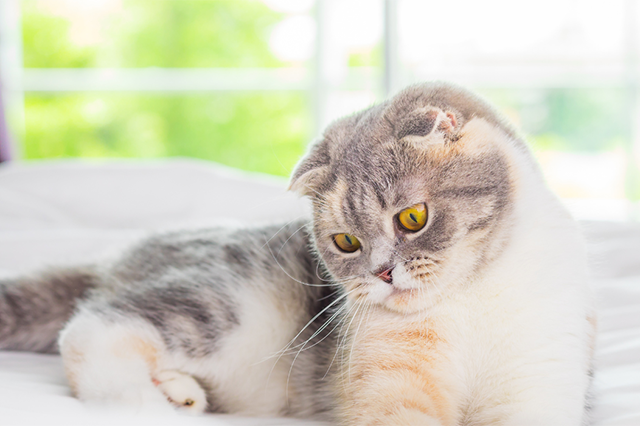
(576, 120)
(260, 131)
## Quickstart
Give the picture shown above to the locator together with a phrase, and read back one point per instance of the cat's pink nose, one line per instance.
(384, 274)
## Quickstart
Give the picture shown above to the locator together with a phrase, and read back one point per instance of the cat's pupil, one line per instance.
(413, 217)
(346, 237)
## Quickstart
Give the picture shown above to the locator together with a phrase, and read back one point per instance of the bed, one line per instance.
(70, 212)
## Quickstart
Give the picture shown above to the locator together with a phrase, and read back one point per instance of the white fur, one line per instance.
(103, 370)
(517, 335)
(528, 312)
(249, 382)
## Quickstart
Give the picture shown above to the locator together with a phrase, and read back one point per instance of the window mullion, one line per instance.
(391, 57)
(11, 75)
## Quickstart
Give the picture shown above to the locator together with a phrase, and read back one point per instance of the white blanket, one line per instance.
(54, 213)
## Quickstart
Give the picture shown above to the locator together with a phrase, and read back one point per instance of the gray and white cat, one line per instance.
(439, 283)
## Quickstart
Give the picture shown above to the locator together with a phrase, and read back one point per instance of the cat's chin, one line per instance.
(405, 301)
(397, 299)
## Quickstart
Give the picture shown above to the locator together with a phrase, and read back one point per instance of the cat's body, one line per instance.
(221, 305)
(458, 289)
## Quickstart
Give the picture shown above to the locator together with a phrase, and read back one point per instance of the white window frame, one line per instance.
(18, 80)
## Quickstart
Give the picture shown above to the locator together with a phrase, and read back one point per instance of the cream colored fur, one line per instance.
(512, 346)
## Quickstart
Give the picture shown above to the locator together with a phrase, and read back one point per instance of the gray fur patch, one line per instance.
(418, 123)
(468, 194)
(34, 309)
(183, 319)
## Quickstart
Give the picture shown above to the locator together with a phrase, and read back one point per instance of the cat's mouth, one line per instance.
(404, 283)
(385, 273)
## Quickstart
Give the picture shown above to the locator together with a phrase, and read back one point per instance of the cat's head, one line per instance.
(410, 197)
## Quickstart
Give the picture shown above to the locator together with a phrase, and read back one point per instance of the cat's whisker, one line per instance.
(343, 334)
(291, 236)
(293, 278)
(325, 325)
(353, 342)
(331, 294)
(309, 339)
(318, 264)
(316, 317)
(340, 324)
(292, 341)
(320, 330)
(332, 282)
(279, 230)
(345, 343)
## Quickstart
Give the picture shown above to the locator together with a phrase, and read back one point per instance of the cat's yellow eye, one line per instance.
(346, 242)
(414, 218)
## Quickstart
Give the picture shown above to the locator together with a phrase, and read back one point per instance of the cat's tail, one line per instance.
(34, 309)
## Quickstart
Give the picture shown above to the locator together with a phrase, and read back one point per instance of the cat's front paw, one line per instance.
(182, 390)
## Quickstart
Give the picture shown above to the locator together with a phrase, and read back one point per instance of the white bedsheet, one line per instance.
(55, 213)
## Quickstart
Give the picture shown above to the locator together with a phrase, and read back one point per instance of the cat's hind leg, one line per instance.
(119, 361)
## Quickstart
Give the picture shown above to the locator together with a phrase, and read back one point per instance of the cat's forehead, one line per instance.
(414, 111)
(373, 176)
(427, 131)
(395, 176)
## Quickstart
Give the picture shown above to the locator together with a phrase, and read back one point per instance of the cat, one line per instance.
(439, 282)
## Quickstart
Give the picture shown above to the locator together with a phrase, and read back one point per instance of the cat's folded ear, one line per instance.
(424, 121)
(311, 171)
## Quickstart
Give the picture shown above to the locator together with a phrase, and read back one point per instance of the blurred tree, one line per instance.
(577, 120)
(46, 43)
(585, 119)
(254, 131)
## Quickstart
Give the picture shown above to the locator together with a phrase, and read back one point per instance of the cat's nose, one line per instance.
(384, 273)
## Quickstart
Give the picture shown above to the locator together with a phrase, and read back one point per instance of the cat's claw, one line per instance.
(182, 390)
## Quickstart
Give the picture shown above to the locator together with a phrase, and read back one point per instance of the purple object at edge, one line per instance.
(5, 142)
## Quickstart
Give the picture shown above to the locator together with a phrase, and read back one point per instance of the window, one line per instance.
(248, 83)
